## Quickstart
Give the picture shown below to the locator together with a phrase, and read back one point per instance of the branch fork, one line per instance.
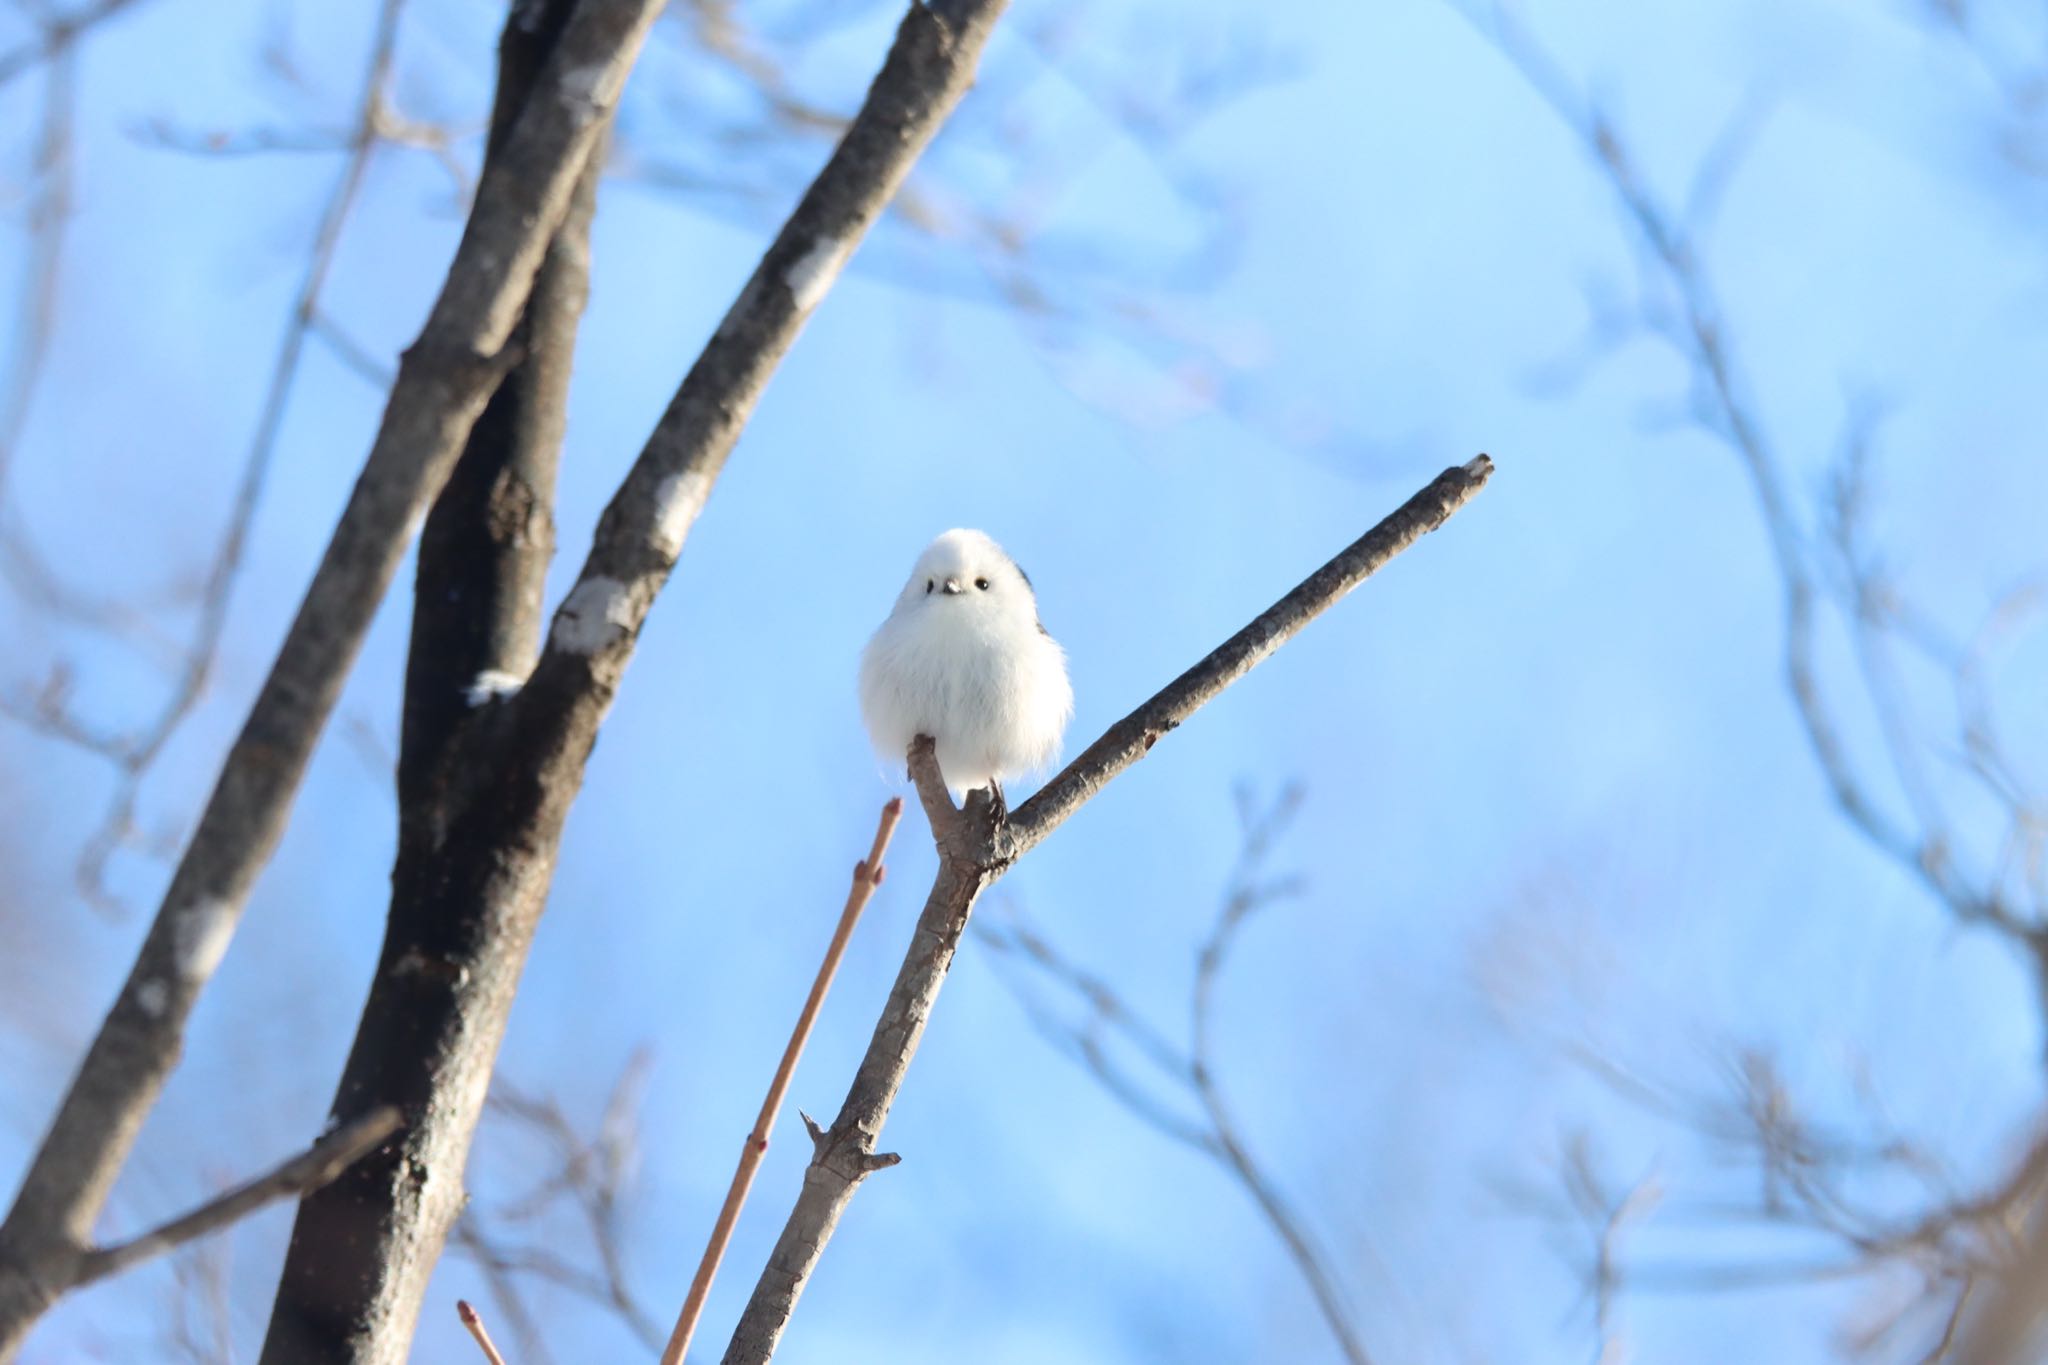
(977, 843)
(968, 836)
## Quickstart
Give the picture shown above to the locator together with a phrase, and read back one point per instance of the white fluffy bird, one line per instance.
(963, 658)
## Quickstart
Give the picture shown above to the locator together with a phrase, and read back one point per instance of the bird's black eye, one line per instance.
(927, 587)
(981, 583)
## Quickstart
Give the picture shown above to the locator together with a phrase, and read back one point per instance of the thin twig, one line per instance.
(1247, 896)
(317, 1165)
(134, 754)
(48, 212)
(591, 1175)
(1696, 327)
(474, 1321)
(499, 1272)
(867, 875)
(57, 37)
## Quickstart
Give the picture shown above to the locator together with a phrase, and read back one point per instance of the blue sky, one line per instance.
(1555, 789)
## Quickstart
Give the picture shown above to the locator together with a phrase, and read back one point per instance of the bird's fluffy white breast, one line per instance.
(990, 688)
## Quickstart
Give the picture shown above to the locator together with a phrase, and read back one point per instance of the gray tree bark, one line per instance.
(442, 385)
(364, 1245)
(485, 790)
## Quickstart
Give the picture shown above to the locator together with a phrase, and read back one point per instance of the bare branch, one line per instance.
(976, 847)
(1966, 1250)
(201, 1330)
(47, 214)
(1079, 296)
(1694, 324)
(500, 1269)
(320, 1163)
(475, 1323)
(643, 529)
(518, 1239)
(441, 386)
(1131, 738)
(1245, 898)
(58, 34)
(867, 875)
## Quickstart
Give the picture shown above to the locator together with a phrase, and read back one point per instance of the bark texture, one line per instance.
(485, 790)
(976, 846)
(441, 386)
(363, 1246)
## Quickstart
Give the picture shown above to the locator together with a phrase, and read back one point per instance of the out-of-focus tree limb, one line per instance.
(1922, 839)
(316, 1166)
(1914, 795)
(133, 754)
(1188, 1071)
(576, 1193)
(441, 386)
(59, 32)
(323, 1161)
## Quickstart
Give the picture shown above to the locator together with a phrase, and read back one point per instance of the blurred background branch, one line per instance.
(1939, 796)
(1108, 1037)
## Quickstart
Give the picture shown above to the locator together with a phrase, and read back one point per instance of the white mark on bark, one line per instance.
(676, 504)
(493, 684)
(199, 938)
(814, 272)
(153, 995)
(413, 962)
(595, 615)
(596, 83)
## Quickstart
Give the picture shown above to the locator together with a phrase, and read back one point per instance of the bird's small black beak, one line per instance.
(951, 587)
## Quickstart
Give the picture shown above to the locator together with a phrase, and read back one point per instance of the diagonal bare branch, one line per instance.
(976, 847)
(311, 1169)
(1131, 738)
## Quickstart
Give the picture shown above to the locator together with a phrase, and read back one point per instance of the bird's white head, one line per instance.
(966, 572)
